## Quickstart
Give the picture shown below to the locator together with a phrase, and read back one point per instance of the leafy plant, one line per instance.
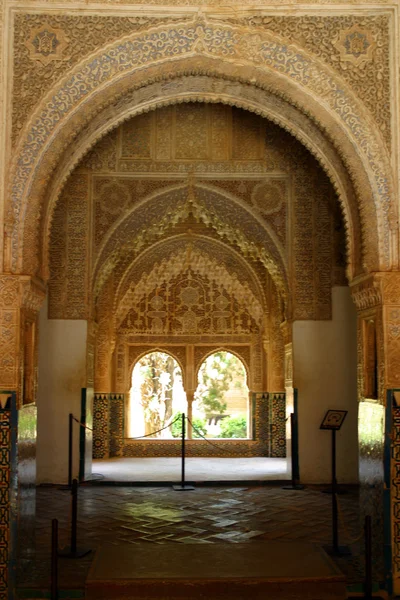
(199, 424)
(216, 375)
(233, 427)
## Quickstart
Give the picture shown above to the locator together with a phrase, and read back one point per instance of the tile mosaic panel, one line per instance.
(277, 411)
(100, 426)
(193, 448)
(395, 495)
(116, 423)
(261, 419)
(7, 495)
(108, 435)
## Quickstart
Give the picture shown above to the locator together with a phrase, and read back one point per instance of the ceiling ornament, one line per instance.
(268, 197)
(191, 207)
(174, 266)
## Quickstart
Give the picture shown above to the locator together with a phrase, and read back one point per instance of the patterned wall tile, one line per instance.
(100, 426)
(7, 495)
(277, 408)
(109, 430)
(116, 423)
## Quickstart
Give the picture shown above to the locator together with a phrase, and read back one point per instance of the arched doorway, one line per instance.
(273, 261)
(203, 250)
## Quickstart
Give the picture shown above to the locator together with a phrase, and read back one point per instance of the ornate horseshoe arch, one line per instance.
(165, 349)
(223, 348)
(127, 278)
(185, 88)
(274, 261)
(251, 59)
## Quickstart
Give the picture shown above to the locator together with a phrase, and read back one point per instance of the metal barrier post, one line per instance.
(183, 487)
(295, 485)
(54, 560)
(368, 558)
(72, 551)
(70, 446)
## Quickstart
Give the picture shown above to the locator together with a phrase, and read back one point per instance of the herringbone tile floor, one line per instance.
(205, 515)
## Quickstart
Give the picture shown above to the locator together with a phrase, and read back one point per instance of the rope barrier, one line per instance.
(129, 438)
(154, 432)
(208, 441)
(81, 424)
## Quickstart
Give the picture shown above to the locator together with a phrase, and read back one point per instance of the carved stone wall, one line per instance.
(328, 76)
(69, 252)
(317, 90)
(356, 47)
(20, 300)
(195, 226)
(253, 183)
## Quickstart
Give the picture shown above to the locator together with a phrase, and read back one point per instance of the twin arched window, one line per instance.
(220, 409)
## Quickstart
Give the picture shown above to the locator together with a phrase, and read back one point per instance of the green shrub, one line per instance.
(233, 427)
(200, 425)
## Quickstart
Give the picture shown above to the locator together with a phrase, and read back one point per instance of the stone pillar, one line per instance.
(189, 400)
(325, 375)
(377, 298)
(20, 300)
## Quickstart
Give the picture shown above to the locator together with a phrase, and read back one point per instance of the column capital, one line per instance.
(21, 291)
(366, 292)
(376, 289)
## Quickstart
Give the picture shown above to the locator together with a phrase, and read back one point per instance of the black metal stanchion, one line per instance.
(70, 452)
(183, 486)
(72, 551)
(70, 446)
(54, 560)
(368, 558)
(295, 485)
(335, 549)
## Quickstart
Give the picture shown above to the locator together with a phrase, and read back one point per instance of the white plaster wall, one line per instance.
(325, 373)
(62, 371)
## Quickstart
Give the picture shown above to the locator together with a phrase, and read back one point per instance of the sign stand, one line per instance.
(333, 421)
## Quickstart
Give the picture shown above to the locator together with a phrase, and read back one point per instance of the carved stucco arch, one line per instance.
(124, 299)
(221, 90)
(150, 350)
(248, 55)
(216, 246)
(107, 258)
(222, 348)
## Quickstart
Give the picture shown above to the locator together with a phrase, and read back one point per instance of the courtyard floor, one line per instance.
(207, 515)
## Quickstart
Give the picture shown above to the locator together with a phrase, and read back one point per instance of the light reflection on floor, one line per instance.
(196, 469)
